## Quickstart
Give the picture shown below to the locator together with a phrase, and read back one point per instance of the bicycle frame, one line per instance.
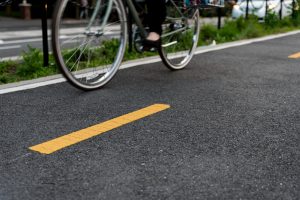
(136, 18)
(132, 11)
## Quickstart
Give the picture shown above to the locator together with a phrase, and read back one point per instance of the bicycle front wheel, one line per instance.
(89, 47)
(180, 35)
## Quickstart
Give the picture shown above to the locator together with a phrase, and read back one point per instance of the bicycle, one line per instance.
(90, 51)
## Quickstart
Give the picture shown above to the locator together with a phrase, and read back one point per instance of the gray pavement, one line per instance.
(16, 34)
(16, 24)
(232, 132)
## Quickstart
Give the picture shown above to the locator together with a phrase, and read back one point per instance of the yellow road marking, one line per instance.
(295, 55)
(84, 134)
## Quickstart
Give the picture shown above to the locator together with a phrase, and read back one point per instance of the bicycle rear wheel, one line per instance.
(88, 53)
(180, 35)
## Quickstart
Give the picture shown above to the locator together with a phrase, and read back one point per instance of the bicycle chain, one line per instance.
(5, 3)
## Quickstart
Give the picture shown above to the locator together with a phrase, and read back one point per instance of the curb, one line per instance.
(30, 84)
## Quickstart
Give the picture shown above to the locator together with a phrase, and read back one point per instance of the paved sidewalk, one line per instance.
(15, 24)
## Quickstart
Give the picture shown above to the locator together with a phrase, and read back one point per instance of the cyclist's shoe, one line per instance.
(150, 45)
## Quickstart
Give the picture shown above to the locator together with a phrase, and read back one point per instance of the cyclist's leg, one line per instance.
(156, 15)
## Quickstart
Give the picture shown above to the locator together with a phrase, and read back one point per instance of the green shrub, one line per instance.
(271, 20)
(252, 28)
(241, 23)
(8, 71)
(296, 14)
(208, 33)
(228, 32)
(32, 65)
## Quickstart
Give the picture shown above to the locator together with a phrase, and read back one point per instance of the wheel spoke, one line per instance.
(180, 35)
(88, 56)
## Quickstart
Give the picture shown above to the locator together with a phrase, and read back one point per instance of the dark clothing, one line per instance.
(156, 14)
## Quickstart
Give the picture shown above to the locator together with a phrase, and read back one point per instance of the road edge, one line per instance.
(49, 80)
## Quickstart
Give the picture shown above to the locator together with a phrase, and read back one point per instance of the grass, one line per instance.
(31, 64)
(245, 29)
(30, 67)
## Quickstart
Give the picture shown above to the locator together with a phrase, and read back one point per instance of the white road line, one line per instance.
(11, 58)
(38, 33)
(31, 85)
(10, 47)
(25, 85)
(40, 39)
(243, 42)
(24, 41)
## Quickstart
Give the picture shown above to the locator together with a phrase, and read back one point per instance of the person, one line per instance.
(84, 9)
(156, 14)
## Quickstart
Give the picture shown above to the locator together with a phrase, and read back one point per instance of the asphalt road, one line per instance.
(231, 132)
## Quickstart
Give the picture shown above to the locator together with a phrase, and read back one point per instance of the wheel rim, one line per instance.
(178, 48)
(89, 58)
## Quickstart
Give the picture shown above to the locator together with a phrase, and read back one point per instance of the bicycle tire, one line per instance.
(180, 35)
(89, 57)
